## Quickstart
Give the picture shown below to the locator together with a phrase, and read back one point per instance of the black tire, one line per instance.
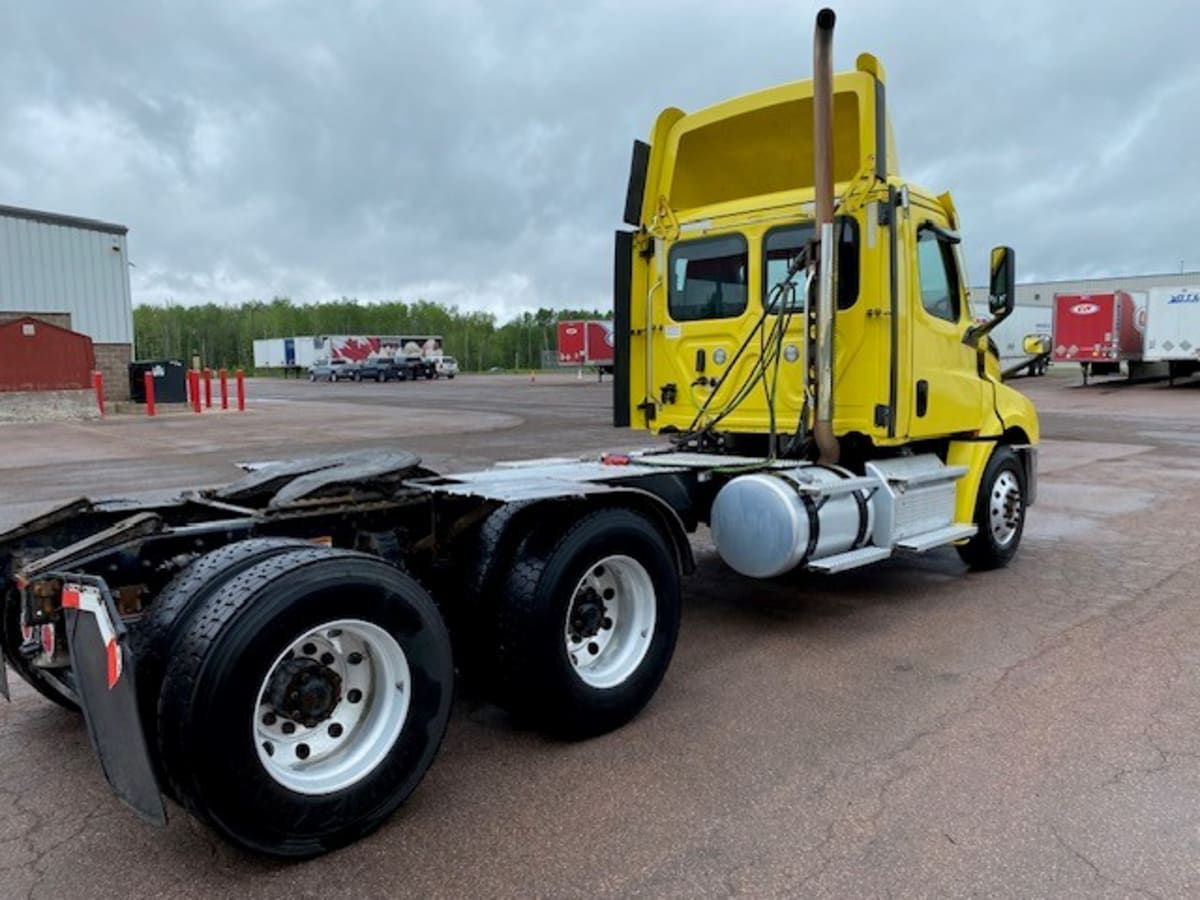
(153, 640)
(451, 377)
(985, 550)
(534, 676)
(210, 694)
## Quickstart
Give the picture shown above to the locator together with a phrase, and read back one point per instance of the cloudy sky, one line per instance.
(476, 153)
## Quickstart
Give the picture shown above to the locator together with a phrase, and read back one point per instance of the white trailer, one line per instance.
(287, 354)
(1173, 329)
(1011, 334)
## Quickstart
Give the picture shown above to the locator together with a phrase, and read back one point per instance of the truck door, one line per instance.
(947, 392)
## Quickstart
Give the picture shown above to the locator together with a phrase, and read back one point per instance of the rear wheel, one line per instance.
(587, 623)
(306, 701)
(155, 636)
(999, 513)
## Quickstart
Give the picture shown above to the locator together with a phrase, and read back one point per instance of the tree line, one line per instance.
(223, 336)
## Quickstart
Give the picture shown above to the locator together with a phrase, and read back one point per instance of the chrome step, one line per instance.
(851, 559)
(919, 543)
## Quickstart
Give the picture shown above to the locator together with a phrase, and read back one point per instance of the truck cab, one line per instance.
(718, 347)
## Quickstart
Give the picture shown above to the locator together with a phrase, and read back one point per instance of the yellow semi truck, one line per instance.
(276, 655)
(787, 294)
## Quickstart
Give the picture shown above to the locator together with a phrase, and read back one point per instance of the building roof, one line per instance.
(49, 218)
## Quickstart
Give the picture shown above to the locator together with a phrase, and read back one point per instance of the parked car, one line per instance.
(332, 370)
(383, 368)
(447, 367)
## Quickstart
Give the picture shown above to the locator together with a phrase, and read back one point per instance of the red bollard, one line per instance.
(194, 386)
(148, 382)
(208, 388)
(241, 389)
(98, 385)
(224, 376)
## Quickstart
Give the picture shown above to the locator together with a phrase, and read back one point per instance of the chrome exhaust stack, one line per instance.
(827, 444)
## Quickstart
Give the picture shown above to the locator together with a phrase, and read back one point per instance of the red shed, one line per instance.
(38, 356)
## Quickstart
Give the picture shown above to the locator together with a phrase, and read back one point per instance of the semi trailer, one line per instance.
(278, 656)
(1100, 331)
(1173, 329)
(586, 343)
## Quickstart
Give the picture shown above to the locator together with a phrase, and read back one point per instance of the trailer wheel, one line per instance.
(305, 701)
(999, 513)
(587, 623)
(155, 636)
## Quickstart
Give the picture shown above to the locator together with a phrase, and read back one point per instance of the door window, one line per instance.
(939, 276)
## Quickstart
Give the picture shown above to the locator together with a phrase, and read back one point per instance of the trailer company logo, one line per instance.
(1085, 309)
(1185, 297)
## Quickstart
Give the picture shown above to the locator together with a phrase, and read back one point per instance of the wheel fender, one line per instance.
(974, 455)
(512, 525)
(661, 512)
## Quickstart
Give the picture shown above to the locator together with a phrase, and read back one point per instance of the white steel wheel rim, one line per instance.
(1004, 508)
(360, 728)
(605, 649)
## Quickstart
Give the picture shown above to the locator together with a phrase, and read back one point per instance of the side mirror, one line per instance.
(1035, 344)
(1002, 289)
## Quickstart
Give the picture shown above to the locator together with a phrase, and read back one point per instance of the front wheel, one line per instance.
(999, 513)
(587, 622)
(305, 701)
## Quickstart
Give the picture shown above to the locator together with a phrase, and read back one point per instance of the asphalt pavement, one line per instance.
(908, 730)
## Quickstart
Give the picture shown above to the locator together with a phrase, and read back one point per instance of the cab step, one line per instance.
(851, 559)
(939, 537)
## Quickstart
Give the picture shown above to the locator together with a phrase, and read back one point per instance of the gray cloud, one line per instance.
(475, 153)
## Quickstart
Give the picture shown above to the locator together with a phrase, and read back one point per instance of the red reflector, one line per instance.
(614, 459)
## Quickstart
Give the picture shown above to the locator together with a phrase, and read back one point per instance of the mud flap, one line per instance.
(104, 675)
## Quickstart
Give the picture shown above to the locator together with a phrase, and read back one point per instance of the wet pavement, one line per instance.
(905, 730)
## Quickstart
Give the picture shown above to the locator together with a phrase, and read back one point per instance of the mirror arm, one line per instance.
(972, 335)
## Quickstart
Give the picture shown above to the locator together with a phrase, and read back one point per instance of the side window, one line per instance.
(708, 279)
(781, 246)
(939, 276)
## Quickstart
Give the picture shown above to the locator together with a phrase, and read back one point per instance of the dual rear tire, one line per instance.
(303, 698)
(294, 696)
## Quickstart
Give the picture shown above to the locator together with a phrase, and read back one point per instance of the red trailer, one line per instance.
(587, 343)
(1098, 331)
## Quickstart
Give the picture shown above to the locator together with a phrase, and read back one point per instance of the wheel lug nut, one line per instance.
(609, 593)
(288, 727)
(354, 695)
(335, 730)
(593, 648)
(327, 659)
(309, 649)
(269, 719)
(354, 658)
(302, 751)
(606, 624)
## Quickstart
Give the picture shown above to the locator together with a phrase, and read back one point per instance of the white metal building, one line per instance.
(74, 273)
(1041, 293)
